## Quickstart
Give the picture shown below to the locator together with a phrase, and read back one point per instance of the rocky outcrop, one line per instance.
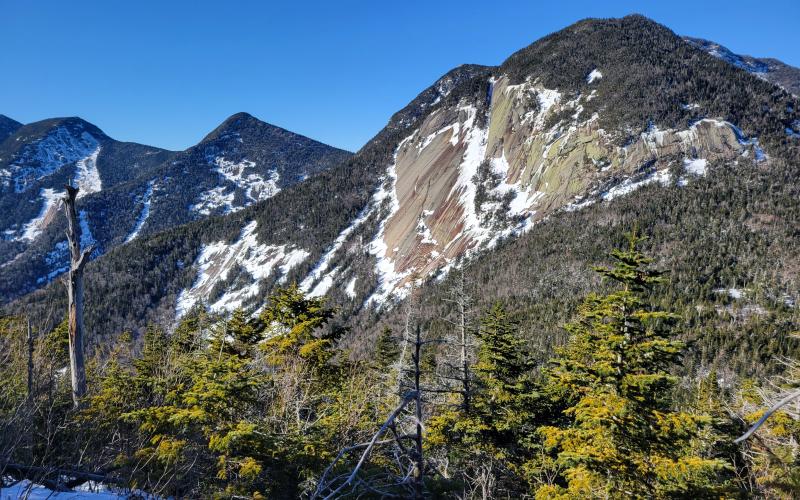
(462, 181)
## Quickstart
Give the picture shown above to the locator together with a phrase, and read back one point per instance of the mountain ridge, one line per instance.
(367, 229)
(134, 189)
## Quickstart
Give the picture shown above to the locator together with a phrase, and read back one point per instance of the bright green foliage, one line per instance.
(623, 435)
(488, 438)
(291, 326)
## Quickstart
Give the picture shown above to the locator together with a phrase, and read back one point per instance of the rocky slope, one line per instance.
(592, 116)
(128, 190)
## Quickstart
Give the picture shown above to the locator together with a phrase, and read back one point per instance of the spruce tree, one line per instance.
(623, 435)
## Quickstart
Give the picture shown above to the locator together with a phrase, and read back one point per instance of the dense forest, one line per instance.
(274, 406)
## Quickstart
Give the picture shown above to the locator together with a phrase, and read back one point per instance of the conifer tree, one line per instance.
(624, 436)
(487, 438)
(387, 349)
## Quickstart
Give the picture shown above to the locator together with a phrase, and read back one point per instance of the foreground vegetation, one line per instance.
(273, 406)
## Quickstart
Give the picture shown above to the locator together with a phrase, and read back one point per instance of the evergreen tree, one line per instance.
(487, 440)
(624, 436)
(387, 349)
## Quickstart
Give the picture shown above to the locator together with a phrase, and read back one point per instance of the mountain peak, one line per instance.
(8, 126)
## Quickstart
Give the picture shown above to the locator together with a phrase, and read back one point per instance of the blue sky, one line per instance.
(166, 73)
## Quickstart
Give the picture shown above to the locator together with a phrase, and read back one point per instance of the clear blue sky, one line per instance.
(167, 72)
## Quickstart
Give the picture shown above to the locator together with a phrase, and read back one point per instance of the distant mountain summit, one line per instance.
(128, 190)
(770, 69)
(7, 126)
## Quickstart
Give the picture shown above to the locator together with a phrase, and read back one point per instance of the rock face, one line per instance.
(459, 183)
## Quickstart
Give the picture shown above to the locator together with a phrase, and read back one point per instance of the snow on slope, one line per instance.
(86, 233)
(87, 177)
(46, 156)
(255, 262)
(235, 176)
(51, 201)
(429, 219)
(144, 214)
(320, 274)
(386, 194)
(256, 187)
(214, 199)
(593, 76)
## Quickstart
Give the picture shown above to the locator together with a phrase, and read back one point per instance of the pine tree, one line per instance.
(487, 439)
(624, 437)
(387, 349)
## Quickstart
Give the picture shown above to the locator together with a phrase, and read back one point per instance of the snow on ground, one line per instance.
(255, 187)
(319, 274)
(759, 153)
(465, 187)
(94, 491)
(144, 214)
(42, 158)
(696, 166)
(734, 293)
(384, 267)
(593, 76)
(632, 184)
(51, 200)
(87, 177)
(258, 261)
(350, 289)
(57, 260)
(86, 233)
(214, 199)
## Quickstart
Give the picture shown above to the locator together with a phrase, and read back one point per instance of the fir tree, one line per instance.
(624, 437)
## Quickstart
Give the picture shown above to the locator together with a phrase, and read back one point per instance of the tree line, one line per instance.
(272, 405)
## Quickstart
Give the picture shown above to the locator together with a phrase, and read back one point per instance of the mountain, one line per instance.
(769, 69)
(129, 190)
(7, 127)
(521, 174)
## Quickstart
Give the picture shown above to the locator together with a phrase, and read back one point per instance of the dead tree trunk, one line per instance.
(459, 296)
(419, 459)
(29, 339)
(74, 284)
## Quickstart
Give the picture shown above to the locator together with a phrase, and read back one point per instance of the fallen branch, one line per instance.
(783, 402)
(323, 484)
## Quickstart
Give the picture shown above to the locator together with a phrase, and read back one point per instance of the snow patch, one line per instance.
(321, 268)
(87, 177)
(51, 200)
(214, 199)
(594, 76)
(256, 188)
(47, 155)
(734, 293)
(632, 184)
(695, 166)
(350, 289)
(143, 215)
(89, 491)
(87, 239)
(258, 261)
